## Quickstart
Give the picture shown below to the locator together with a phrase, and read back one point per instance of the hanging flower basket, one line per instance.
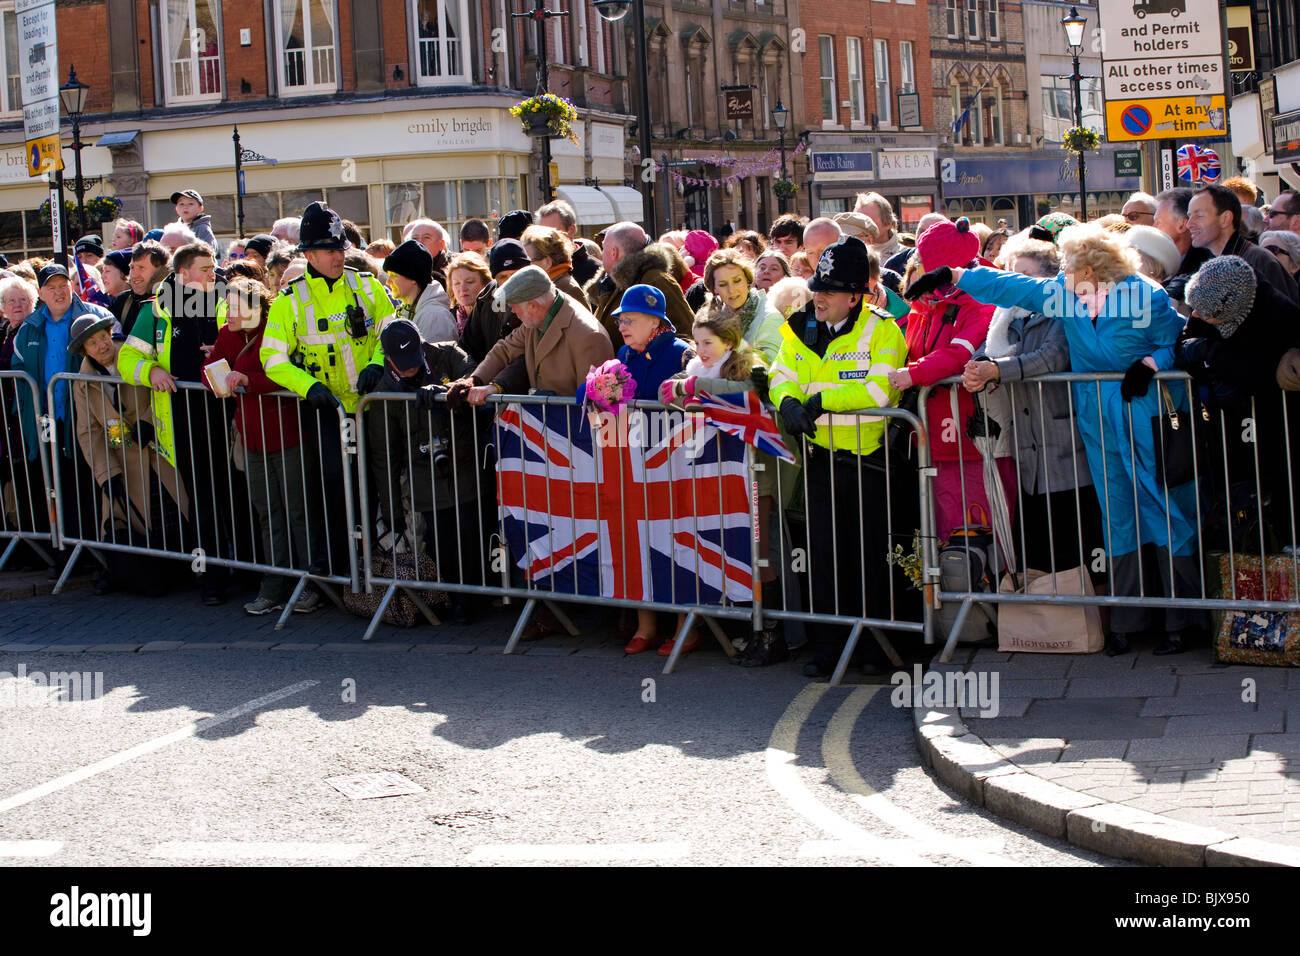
(103, 208)
(547, 115)
(785, 188)
(1080, 139)
(69, 212)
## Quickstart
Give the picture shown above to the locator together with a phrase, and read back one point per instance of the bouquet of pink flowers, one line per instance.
(610, 386)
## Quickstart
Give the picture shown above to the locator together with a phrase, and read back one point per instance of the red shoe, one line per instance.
(692, 642)
(640, 643)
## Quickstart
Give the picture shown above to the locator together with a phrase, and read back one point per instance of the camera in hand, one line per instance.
(437, 449)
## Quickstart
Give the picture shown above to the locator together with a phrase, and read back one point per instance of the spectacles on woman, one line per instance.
(1278, 251)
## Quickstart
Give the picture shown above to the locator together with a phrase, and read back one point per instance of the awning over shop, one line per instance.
(627, 202)
(592, 205)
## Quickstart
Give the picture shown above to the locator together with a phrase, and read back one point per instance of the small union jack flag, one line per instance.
(1198, 164)
(742, 414)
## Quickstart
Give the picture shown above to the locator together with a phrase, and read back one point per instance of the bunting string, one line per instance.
(743, 168)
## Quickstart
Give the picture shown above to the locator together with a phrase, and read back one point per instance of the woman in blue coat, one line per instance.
(1115, 320)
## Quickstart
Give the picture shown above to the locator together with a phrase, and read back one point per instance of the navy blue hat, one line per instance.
(119, 259)
(154, 234)
(645, 299)
(402, 345)
(49, 272)
(321, 228)
(845, 266)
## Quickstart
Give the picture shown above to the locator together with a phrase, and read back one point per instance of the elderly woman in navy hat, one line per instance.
(653, 354)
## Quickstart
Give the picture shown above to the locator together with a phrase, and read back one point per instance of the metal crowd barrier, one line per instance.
(27, 504)
(222, 525)
(1237, 506)
(878, 498)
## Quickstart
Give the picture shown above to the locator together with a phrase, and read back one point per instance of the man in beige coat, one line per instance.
(559, 340)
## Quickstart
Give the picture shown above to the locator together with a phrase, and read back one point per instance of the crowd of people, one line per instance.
(197, 344)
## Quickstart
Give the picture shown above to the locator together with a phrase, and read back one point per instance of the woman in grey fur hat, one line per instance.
(1237, 335)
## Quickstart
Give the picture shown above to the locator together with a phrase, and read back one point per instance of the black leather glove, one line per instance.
(1191, 353)
(368, 379)
(142, 433)
(426, 397)
(114, 490)
(543, 393)
(796, 419)
(320, 398)
(1136, 381)
(813, 407)
(758, 375)
(934, 279)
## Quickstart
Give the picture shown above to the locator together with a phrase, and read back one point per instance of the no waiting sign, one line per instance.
(39, 61)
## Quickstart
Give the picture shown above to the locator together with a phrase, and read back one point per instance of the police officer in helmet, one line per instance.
(322, 342)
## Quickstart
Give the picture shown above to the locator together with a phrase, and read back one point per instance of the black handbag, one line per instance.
(1177, 449)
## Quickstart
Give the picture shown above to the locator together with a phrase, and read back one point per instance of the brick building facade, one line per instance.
(871, 116)
(387, 109)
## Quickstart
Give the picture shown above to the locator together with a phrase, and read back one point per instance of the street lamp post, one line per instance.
(614, 10)
(781, 116)
(242, 156)
(539, 15)
(73, 95)
(1074, 26)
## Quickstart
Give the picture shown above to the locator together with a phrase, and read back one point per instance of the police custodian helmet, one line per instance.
(321, 228)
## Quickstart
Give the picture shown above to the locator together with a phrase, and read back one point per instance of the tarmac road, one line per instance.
(533, 757)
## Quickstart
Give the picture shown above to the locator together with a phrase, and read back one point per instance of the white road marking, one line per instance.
(582, 852)
(784, 777)
(149, 746)
(837, 756)
(233, 850)
(30, 848)
(838, 848)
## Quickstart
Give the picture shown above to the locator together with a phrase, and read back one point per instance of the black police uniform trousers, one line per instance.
(323, 461)
(847, 543)
(202, 441)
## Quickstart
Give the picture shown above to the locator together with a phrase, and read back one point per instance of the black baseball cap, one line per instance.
(191, 193)
(402, 345)
(49, 272)
(507, 255)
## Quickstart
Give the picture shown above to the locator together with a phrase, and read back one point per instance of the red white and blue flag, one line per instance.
(663, 515)
(1198, 164)
(742, 414)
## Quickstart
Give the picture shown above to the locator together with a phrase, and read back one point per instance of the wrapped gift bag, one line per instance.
(1263, 637)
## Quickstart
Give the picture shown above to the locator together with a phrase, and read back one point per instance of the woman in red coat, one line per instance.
(944, 329)
(269, 436)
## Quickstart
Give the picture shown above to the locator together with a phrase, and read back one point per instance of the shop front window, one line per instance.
(448, 202)
(440, 44)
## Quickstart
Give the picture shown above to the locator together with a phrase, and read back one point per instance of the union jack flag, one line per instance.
(666, 519)
(1198, 163)
(742, 414)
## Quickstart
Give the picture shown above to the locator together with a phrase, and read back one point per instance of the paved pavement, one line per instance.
(1183, 738)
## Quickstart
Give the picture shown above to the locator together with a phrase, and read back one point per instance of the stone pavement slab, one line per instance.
(1175, 760)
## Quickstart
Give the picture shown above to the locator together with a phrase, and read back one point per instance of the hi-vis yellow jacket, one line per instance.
(853, 375)
(307, 338)
(149, 344)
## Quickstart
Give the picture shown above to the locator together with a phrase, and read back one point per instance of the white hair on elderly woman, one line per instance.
(1094, 247)
(1022, 248)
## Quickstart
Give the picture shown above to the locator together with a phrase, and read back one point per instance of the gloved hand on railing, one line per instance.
(321, 398)
(796, 418)
(458, 394)
(426, 397)
(934, 279)
(1137, 380)
(758, 375)
(368, 379)
(676, 390)
(142, 433)
(114, 490)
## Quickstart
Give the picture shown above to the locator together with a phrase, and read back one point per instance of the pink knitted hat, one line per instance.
(699, 246)
(950, 244)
